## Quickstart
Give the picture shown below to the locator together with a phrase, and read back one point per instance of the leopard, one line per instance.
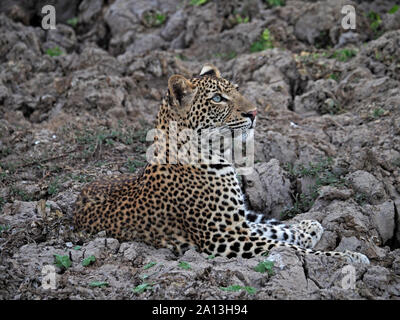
(194, 204)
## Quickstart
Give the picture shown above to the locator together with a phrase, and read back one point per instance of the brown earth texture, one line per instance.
(76, 103)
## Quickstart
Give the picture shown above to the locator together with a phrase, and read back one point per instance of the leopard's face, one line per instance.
(212, 102)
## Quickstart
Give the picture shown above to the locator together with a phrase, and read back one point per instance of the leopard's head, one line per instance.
(211, 102)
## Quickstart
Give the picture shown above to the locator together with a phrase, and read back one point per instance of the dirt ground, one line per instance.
(76, 104)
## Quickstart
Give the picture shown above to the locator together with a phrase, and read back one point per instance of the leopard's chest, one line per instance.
(224, 188)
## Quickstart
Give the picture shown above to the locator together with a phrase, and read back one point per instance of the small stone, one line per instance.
(130, 253)
(101, 234)
(112, 244)
(331, 193)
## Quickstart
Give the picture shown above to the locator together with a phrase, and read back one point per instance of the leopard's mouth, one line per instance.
(242, 124)
(242, 129)
(234, 129)
(241, 133)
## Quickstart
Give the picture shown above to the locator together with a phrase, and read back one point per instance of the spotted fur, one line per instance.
(200, 206)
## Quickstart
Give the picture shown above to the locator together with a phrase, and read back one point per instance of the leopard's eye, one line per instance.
(217, 98)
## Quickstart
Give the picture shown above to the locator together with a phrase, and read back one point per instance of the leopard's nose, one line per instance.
(251, 115)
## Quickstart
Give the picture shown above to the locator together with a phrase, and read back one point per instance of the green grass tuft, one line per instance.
(375, 21)
(54, 52)
(276, 3)
(98, 284)
(198, 2)
(265, 42)
(361, 198)
(242, 19)
(344, 55)
(149, 265)
(62, 261)
(394, 9)
(73, 22)
(20, 194)
(184, 265)
(4, 228)
(88, 261)
(133, 165)
(265, 266)
(322, 174)
(377, 113)
(53, 187)
(142, 287)
(155, 19)
(235, 288)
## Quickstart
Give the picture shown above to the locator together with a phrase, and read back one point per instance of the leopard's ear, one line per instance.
(180, 90)
(210, 70)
